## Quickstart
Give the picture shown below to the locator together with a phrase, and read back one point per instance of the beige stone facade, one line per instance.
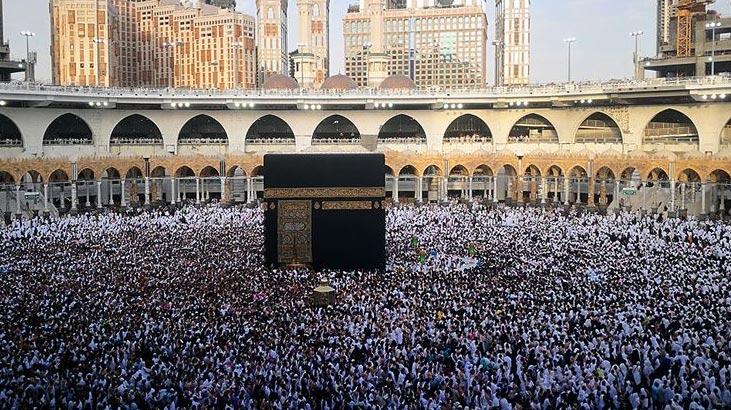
(152, 43)
(448, 44)
(84, 42)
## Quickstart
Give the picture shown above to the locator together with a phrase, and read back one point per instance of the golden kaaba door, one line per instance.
(294, 229)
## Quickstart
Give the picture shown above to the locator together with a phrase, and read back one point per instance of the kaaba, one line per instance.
(325, 211)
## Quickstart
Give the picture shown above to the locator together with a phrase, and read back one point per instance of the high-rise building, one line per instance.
(7, 66)
(665, 14)
(152, 43)
(84, 42)
(271, 38)
(436, 43)
(312, 58)
(512, 42)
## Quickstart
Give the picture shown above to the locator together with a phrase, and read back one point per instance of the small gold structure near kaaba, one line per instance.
(324, 294)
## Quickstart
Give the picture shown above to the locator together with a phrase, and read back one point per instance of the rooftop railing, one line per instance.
(530, 90)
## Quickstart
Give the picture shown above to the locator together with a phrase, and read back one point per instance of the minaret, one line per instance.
(377, 57)
(320, 39)
(271, 38)
(304, 59)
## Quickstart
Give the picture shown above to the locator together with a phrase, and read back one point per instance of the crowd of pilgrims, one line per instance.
(511, 308)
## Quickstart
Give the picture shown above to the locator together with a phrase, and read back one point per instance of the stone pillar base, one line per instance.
(683, 213)
(672, 214)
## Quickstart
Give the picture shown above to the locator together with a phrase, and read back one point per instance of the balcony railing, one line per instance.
(335, 141)
(135, 141)
(529, 90)
(270, 141)
(68, 141)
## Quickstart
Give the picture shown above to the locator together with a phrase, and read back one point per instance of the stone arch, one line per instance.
(402, 127)
(269, 128)
(689, 175)
(533, 128)
(133, 173)
(257, 171)
(388, 171)
(68, 129)
(58, 175)
(236, 171)
(184, 172)
(10, 135)
(598, 127)
(508, 169)
(111, 173)
(554, 171)
(578, 172)
(628, 173)
(208, 171)
(408, 170)
(31, 176)
(670, 126)
(605, 174)
(482, 170)
(136, 129)
(432, 170)
(86, 174)
(336, 127)
(6, 178)
(658, 174)
(158, 172)
(202, 129)
(720, 176)
(459, 170)
(532, 170)
(468, 128)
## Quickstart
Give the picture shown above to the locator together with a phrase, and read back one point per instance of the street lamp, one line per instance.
(713, 26)
(27, 35)
(636, 35)
(569, 41)
(97, 42)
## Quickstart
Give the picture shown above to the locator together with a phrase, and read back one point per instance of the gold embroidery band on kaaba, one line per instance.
(313, 193)
(346, 205)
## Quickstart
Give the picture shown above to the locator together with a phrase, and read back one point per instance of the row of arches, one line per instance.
(529, 184)
(657, 174)
(667, 127)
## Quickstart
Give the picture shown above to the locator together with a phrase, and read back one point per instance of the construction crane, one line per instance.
(686, 10)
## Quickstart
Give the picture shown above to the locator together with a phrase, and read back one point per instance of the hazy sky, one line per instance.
(603, 50)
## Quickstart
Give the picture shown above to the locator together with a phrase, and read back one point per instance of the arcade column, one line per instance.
(122, 194)
(98, 194)
(45, 199)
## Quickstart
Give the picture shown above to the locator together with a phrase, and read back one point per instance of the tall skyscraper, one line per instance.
(84, 42)
(512, 42)
(312, 58)
(271, 38)
(665, 14)
(437, 43)
(151, 43)
(321, 39)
